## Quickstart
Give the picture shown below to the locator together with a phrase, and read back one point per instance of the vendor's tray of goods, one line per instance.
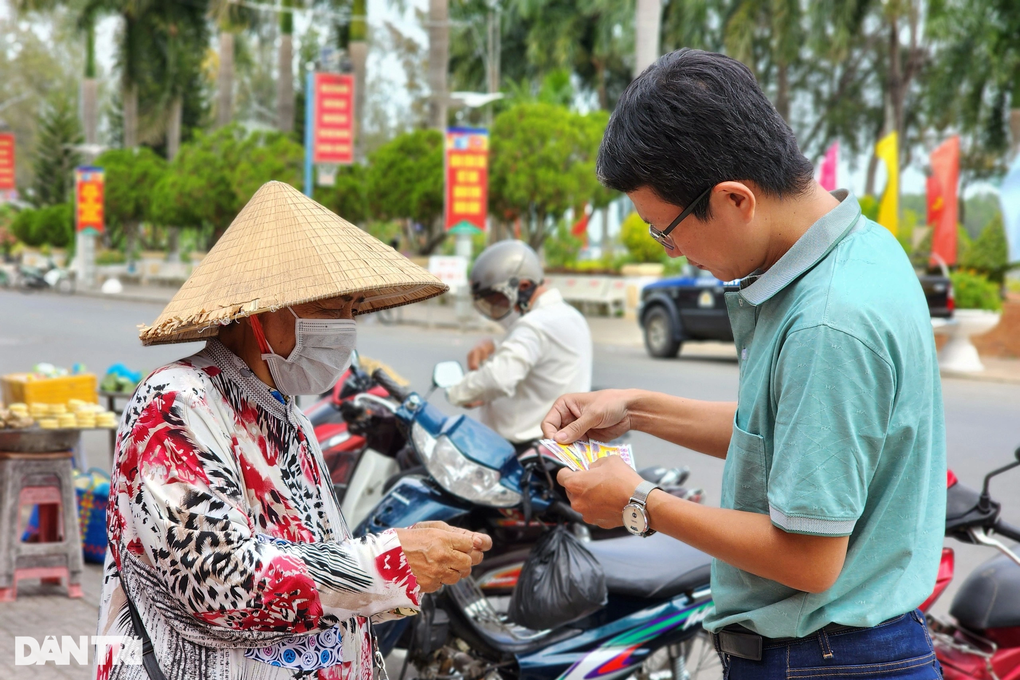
(50, 427)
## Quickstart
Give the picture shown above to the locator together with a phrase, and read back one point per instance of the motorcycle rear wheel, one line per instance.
(701, 661)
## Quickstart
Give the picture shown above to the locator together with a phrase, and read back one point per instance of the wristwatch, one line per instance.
(635, 515)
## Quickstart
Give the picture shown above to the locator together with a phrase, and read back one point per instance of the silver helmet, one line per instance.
(497, 276)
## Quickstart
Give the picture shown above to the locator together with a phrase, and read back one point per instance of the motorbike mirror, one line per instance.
(985, 501)
(355, 364)
(447, 374)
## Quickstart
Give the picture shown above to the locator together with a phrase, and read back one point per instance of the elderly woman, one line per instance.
(227, 547)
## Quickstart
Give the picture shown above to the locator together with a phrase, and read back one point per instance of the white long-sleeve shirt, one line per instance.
(547, 353)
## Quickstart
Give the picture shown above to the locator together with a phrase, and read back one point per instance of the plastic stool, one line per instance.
(46, 480)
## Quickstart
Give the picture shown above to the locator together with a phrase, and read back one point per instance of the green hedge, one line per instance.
(975, 291)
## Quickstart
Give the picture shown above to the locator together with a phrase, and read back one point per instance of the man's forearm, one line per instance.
(749, 541)
(704, 426)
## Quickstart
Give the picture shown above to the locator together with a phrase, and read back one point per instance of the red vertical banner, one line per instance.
(333, 138)
(467, 177)
(7, 162)
(945, 165)
(88, 198)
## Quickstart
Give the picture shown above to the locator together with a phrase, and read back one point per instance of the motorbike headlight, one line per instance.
(459, 475)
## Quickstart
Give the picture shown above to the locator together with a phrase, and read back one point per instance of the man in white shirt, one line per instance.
(547, 351)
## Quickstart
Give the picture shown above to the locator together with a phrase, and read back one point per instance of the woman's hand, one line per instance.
(439, 554)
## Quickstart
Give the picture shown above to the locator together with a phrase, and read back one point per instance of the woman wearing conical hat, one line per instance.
(227, 548)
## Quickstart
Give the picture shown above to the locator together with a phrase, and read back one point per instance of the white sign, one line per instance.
(29, 652)
(450, 269)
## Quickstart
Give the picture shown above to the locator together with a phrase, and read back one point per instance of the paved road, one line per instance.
(982, 419)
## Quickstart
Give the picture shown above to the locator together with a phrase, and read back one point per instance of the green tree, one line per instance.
(216, 173)
(348, 197)
(55, 154)
(542, 162)
(973, 82)
(989, 253)
(131, 176)
(405, 181)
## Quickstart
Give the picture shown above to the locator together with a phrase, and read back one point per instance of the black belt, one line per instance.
(740, 642)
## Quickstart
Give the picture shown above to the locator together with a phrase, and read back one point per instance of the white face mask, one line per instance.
(320, 357)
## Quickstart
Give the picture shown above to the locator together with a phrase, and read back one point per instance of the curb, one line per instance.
(121, 297)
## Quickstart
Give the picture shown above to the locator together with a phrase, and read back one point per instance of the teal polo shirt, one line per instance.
(839, 428)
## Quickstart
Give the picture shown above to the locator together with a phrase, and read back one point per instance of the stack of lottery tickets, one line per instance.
(580, 455)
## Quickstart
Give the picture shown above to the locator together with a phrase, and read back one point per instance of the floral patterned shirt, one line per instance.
(219, 496)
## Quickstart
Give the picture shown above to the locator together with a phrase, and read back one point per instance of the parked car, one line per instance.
(686, 308)
(691, 308)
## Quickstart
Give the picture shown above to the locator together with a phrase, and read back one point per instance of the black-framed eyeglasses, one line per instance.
(662, 236)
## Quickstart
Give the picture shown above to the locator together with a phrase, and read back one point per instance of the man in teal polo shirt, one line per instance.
(833, 493)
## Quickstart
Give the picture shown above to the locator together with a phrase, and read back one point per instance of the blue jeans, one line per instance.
(899, 648)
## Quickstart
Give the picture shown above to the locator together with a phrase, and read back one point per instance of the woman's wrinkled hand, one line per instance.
(439, 554)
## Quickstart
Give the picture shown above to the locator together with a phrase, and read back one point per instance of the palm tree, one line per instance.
(230, 19)
(439, 61)
(85, 17)
(768, 36)
(647, 29)
(357, 47)
(285, 71)
(592, 38)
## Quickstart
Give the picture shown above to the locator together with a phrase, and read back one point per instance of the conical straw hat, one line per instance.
(285, 249)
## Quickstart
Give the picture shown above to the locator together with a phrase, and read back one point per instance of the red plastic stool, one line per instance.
(44, 480)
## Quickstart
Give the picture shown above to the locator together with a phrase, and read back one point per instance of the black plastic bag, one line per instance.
(561, 582)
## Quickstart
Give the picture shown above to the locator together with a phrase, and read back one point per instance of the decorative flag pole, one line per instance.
(827, 177)
(945, 165)
(889, 209)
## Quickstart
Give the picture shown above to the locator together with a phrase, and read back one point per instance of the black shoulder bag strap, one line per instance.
(148, 655)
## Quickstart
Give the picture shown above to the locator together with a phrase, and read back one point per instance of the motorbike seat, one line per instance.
(990, 597)
(654, 567)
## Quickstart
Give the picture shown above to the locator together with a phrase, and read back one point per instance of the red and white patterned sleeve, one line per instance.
(178, 501)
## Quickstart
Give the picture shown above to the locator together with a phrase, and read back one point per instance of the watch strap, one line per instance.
(640, 495)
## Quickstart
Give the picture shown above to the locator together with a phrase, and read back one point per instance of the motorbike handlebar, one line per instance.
(389, 384)
(1006, 530)
(565, 511)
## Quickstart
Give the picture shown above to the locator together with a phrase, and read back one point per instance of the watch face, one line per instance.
(634, 519)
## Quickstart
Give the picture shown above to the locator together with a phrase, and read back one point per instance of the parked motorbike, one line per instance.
(360, 444)
(45, 278)
(366, 452)
(472, 477)
(982, 641)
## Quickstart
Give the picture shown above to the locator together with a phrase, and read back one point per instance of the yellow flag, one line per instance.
(889, 208)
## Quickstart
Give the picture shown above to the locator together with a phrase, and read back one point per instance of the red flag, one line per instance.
(936, 202)
(580, 227)
(827, 178)
(945, 165)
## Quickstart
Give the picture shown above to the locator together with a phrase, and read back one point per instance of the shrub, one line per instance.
(104, 257)
(55, 225)
(562, 248)
(23, 227)
(640, 246)
(989, 253)
(974, 291)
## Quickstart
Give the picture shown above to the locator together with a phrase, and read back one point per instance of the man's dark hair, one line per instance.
(694, 119)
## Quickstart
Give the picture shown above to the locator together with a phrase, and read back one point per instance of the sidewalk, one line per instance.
(42, 611)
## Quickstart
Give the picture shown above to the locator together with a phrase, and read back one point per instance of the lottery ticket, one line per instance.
(580, 455)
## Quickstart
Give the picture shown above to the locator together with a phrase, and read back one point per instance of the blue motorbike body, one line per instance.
(611, 643)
